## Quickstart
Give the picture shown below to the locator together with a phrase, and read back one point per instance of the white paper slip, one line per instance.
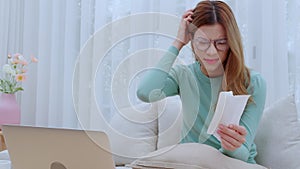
(229, 110)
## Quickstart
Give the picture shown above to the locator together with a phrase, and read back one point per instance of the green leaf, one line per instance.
(18, 89)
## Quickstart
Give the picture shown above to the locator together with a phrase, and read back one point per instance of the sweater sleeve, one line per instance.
(250, 118)
(157, 82)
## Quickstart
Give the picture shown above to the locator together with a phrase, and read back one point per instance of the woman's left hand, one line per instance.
(232, 136)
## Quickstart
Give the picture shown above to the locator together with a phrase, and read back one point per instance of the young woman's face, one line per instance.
(211, 48)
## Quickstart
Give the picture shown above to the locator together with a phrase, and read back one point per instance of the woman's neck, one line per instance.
(216, 73)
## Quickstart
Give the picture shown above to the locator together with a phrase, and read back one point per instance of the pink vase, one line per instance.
(9, 109)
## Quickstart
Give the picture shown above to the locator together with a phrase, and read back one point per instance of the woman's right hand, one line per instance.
(183, 35)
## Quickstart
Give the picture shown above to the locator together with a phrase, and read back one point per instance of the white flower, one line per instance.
(21, 57)
(14, 73)
(10, 60)
(7, 69)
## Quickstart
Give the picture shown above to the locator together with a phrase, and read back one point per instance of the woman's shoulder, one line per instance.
(254, 76)
(180, 71)
(257, 80)
(183, 68)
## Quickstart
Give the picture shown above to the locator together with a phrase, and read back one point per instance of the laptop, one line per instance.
(55, 148)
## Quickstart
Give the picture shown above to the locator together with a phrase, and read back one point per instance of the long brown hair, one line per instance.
(237, 76)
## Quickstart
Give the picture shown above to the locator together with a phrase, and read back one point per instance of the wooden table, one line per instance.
(2, 142)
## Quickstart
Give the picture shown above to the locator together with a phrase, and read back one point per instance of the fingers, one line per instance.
(229, 142)
(227, 145)
(187, 13)
(239, 129)
(232, 137)
(187, 16)
(234, 131)
(183, 35)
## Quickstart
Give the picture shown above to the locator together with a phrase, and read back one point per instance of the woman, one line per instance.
(217, 47)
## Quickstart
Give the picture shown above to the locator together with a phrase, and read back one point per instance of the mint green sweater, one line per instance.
(199, 94)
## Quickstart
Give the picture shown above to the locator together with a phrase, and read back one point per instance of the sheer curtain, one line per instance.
(49, 30)
(71, 83)
(264, 32)
(293, 49)
(132, 27)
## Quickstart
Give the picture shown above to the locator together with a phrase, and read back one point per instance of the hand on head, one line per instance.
(183, 35)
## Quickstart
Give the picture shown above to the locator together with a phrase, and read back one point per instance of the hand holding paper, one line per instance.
(228, 111)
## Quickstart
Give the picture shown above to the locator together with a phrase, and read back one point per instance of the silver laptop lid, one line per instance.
(53, 148)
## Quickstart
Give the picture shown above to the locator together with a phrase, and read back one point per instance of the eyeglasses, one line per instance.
(203, 44)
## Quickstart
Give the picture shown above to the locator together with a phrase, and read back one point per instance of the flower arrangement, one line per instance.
(14, 73)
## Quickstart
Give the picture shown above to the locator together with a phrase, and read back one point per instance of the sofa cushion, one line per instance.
(169, 121)
(133, 132)
(278, 136)
(4, 160)
(191, 156)
(5, 164)
(4, 155)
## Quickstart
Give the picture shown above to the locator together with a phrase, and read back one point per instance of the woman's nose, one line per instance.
(211, 50)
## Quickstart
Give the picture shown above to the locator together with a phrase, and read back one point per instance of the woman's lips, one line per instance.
(211, 61)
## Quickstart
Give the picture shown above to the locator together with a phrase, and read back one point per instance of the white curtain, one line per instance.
(264, 31)
(293, 15)
(50, 31)
(70, 81)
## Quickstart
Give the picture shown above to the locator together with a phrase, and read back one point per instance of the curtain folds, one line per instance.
(293, 50)
(71, 86)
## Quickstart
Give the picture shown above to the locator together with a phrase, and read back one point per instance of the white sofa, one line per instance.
(135, 134)
(277, 140)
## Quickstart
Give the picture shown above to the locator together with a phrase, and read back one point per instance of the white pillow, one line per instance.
(4, 155)
(169, 121)
(5, 164)
(278, 136)
(191, 156)
(133, 133)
